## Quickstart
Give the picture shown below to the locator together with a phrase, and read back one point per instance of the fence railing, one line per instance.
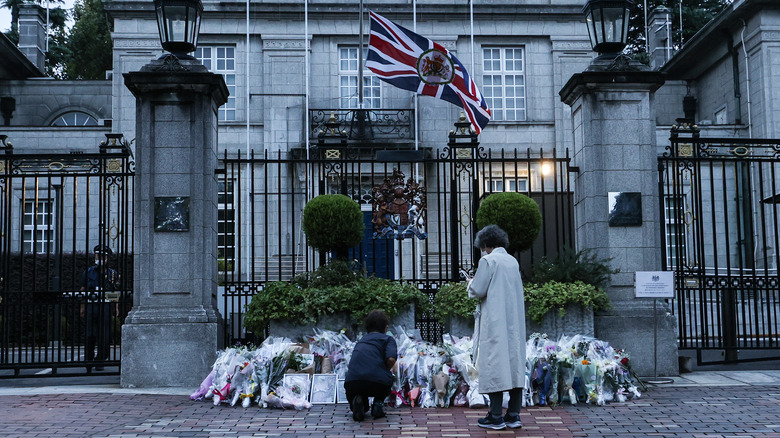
(262, 199)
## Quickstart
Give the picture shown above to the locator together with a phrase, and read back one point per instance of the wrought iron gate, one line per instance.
(719, 203)
(261, 203)
(54, 209)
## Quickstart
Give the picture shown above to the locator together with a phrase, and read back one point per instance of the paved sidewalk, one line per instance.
(701, 404)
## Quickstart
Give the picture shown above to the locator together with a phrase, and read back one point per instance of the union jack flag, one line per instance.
(410, 61)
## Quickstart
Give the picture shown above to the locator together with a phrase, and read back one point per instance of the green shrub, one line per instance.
(452, 299)
(541, 298)
(289, 301)
(516, 214)
(335, 273)
(571, 266)
(333, 223)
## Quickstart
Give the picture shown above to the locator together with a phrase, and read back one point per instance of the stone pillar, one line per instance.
(659, 36)
(615, 150)
(170, 337)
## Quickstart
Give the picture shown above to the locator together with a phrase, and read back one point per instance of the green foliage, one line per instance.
(333, 223)
(335, 273)
(515, 213)
(571, 266)
(89, 43)
(308, 297)
(695, 14)
(452, 299)
(541, 298)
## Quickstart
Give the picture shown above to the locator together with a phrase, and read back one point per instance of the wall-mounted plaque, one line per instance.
(172, 213)
(625, 209)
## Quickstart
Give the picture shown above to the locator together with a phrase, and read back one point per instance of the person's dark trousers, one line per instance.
(98, 331)
(366, 389)
(497, 398)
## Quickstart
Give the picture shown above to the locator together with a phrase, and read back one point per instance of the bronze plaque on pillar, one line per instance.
(171, 213)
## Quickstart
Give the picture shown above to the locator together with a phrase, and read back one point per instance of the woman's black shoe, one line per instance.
(358, 410)
(378, 410)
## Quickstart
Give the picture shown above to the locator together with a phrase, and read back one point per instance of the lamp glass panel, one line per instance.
(594, 40)
(161, 25)
(195, 30)
(177, 19)
(625, 25)
(598, 27)
(613, 24)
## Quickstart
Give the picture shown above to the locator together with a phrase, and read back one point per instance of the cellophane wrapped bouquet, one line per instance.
(567, 370)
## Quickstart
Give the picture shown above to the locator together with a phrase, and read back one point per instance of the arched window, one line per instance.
(75, 118)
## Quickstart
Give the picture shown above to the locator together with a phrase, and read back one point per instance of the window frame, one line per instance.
(499, 112)
(219, 64)
(30, 242)
(370, 81)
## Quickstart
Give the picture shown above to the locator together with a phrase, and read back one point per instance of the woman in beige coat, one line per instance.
(499, 333)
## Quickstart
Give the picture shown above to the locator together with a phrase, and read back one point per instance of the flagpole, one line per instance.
(416, 101)
(360, 59)
(306, 127)
(247, 79)
(471, 19)
(647, 43)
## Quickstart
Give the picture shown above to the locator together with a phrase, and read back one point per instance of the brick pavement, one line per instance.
(698, 411)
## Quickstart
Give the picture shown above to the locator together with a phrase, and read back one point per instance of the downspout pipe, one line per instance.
(735, 69)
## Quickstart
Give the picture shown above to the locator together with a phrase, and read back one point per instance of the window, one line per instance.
(348, 81)
(226, 224)
(75, 118)
(38, 232)
(494, 185)
(503, 82)
(674, 215)
(222, 60)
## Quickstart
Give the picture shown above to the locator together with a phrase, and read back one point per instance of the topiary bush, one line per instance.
(515, 213)
(333, 223)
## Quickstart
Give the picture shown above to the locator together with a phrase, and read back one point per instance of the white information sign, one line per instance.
(654, 284)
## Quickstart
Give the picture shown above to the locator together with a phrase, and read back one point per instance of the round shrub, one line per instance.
(516, 214)
(333, 223)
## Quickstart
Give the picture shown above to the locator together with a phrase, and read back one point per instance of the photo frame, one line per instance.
(324, 389)
(299, 384)
(341, 392)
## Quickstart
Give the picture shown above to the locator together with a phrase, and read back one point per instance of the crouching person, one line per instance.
(369, 372)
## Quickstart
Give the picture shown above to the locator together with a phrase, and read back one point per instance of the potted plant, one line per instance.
(335, 297)
(563, 293)
(333, 223)
(454, 309)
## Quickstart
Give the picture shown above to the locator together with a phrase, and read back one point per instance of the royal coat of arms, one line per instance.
(399, 208)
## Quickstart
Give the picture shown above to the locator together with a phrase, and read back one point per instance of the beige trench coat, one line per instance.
(499, 332)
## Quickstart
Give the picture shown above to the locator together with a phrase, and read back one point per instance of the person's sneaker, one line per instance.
(491, 422)
(378, 410)
(358, 410)
(512, 421)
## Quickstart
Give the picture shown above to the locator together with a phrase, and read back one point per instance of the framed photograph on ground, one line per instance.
(323, 389)
(299, 384)
(342, 394)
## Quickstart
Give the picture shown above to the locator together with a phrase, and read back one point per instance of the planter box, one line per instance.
(578, 320)
(459, 326)
(334, 322)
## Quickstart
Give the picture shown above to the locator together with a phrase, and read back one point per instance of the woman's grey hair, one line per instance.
(492, 236)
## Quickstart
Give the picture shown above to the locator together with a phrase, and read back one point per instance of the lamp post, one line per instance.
(607, 25)
(179, 24)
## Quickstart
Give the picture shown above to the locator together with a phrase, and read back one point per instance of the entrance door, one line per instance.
(376, 255)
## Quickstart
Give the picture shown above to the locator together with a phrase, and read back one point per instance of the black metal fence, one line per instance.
(54, 209)
(262, 198)
(719, 203)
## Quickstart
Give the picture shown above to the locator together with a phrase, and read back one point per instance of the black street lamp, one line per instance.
(607, 25)
(179, 24)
